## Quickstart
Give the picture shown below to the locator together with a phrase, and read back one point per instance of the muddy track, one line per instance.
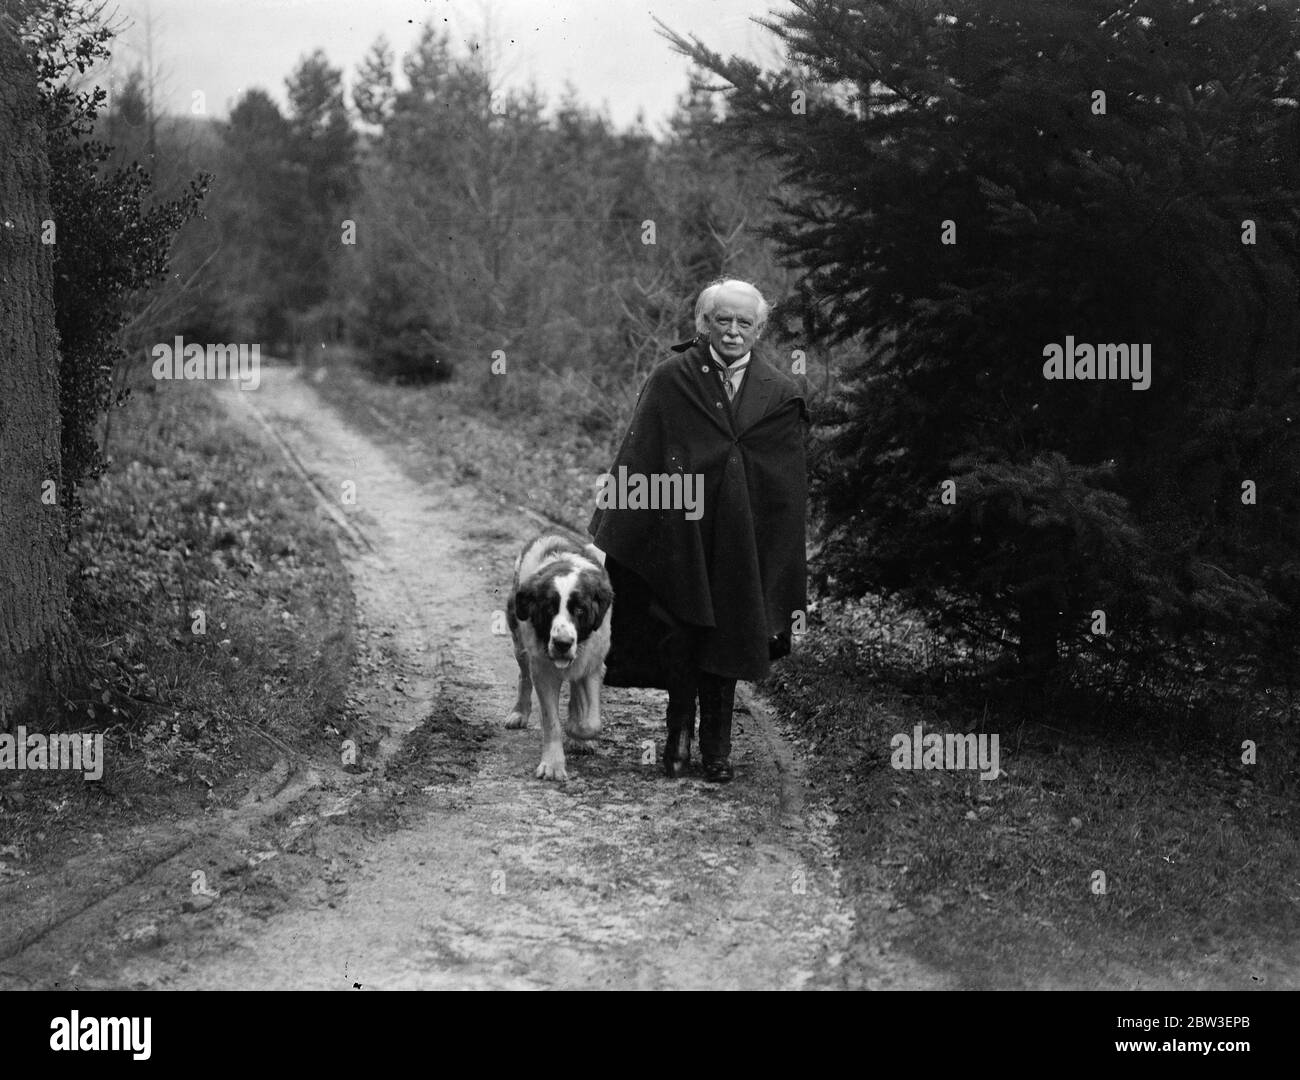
(440, 862)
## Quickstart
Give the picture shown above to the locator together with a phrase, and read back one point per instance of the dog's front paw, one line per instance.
(517, 719)
(677, 755)
(551, 769)
(581, 731)
(675, 768)
(582, 724)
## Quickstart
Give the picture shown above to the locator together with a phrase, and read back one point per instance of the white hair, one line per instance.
(708, 300)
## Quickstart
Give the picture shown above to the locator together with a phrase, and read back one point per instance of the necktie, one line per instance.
(730, 377)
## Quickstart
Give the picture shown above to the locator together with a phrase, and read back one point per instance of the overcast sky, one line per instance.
(608, 49)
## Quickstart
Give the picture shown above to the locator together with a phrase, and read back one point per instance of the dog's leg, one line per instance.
(524, 694)
(583, 723)
(681, 727)
(548, 698)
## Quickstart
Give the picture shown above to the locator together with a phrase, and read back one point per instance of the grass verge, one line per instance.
(212, 622)
(1000, 882)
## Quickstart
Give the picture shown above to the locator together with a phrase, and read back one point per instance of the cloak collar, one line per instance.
(733, 418)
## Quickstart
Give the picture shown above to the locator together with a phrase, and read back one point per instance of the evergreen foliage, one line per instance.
(1115, 220)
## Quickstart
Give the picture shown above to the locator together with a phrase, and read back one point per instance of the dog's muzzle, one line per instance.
(561, 651)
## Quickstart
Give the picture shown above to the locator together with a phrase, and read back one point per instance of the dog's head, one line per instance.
(565, 604)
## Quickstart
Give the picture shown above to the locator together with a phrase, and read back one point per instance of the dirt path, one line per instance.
(618, 878)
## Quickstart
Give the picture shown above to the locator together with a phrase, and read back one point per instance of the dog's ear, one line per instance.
(601, 598)
(523, 604)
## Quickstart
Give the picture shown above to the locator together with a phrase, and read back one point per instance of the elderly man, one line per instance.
(706, 595)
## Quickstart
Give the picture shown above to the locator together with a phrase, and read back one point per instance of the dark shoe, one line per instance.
(719, 771)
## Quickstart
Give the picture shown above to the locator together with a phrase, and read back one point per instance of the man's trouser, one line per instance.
(717, 696)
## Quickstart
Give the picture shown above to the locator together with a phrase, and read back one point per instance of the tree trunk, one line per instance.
(32, 583)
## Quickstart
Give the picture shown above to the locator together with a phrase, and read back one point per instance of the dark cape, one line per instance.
(719, 592)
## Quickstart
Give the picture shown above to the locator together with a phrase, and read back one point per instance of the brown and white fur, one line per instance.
(559, 616)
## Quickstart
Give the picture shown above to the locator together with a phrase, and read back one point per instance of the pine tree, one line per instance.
(258, 218)
(372, 92)
(322, 153)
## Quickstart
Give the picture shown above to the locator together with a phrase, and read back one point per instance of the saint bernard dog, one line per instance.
(559, 615)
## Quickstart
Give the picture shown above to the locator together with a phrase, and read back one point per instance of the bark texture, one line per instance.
(32, 584)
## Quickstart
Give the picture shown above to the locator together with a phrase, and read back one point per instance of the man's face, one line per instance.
(733, 326)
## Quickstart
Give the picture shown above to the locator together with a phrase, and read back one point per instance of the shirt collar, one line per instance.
(735, 366)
